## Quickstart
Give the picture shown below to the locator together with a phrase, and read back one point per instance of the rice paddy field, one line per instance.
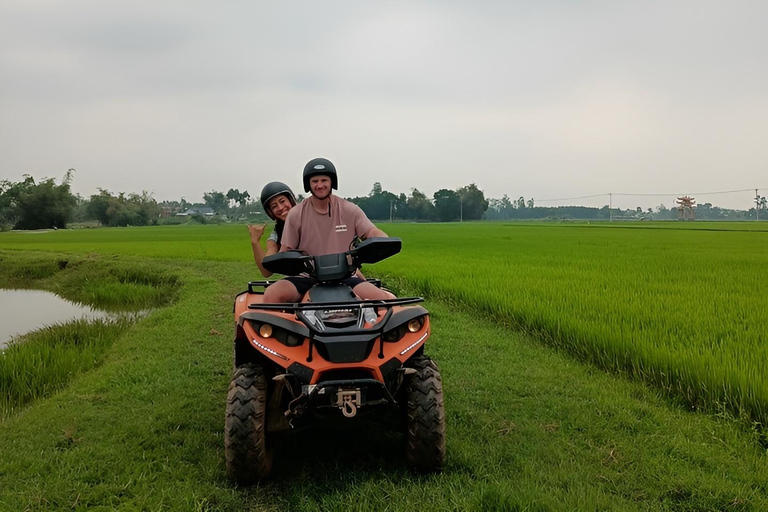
(683, 308)
(586, 367)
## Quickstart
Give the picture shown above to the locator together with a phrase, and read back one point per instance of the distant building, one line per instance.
(204, 210)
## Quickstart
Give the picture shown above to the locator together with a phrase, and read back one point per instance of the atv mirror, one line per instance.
(289, 263)
(376, 249)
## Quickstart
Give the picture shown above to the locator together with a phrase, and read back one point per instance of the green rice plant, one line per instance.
(682, 305)
(18, 271)
(39, 363)
(94, 280)
(112, 294)
(121, 287)
(36, 364)
(186, 242)
(529, 428)
(684, 309)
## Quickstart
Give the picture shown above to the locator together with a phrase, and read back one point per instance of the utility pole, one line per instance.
(461, 208)
(610, 207)
(757, 206)
(391, 202)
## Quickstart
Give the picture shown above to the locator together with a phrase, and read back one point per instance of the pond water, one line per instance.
(22, 311)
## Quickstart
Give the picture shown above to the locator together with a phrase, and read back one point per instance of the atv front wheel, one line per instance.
(248, 455)
(425, 435)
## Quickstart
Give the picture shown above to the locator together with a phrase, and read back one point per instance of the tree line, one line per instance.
(465, 203)
(29, 204)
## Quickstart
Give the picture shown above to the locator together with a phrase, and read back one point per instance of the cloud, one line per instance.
(535, 99)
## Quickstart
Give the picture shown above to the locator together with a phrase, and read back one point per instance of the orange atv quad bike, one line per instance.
(332, 358)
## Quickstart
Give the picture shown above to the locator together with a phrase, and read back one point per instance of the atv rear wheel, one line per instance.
(246, 448)
(425, 435)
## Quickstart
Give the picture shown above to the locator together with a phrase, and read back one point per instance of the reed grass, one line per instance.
(39, 363)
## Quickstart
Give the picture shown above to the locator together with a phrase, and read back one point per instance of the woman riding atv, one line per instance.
(277, 199)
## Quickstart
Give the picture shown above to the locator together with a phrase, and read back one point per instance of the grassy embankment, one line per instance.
(528, 428)
(45, 360)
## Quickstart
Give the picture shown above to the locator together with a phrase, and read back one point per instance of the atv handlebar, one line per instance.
(289, 263)
(333, 267)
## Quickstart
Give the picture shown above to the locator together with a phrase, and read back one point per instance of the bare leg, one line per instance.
(281, 291)
(369, 291)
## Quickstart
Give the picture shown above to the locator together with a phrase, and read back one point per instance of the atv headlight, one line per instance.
(393, 334)
(416, 324)
(289, 338)
(284, 336)
(411, 326)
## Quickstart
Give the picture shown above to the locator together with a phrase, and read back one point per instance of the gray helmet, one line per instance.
(272, 190)
(317, 167)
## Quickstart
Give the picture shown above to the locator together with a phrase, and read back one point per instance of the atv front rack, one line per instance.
(252, 285)
(298, 306)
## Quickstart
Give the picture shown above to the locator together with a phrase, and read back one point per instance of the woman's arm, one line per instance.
(259, 254)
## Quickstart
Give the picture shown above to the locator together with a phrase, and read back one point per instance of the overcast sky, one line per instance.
(545, 99)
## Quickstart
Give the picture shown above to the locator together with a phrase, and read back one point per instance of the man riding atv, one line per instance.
(309, 352)
(323, 224)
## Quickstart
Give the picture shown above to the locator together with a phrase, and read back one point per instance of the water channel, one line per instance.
(22, 311)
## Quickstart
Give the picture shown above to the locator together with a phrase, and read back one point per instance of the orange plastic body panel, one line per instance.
(402, 349)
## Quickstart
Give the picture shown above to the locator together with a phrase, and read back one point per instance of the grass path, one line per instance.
(528, 429)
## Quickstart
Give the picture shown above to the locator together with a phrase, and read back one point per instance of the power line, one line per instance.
(690, 193)
(570, 198)
(648, 195)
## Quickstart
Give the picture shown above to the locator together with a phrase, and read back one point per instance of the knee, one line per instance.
(282, 291)
(385, 294)
(367, 291)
